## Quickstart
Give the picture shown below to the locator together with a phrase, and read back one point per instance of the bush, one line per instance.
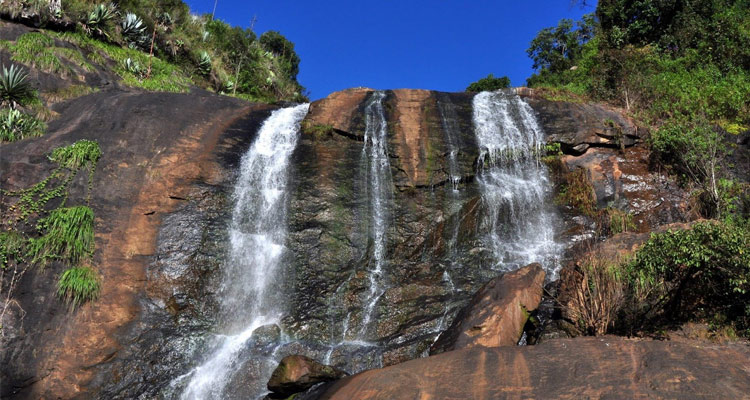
(690, 274)
(78, 285)
(489, 84)
(598, 296)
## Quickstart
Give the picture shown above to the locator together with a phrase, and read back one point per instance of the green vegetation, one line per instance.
(14, 87)
(169, 49)
(698, 274)
(68, 236)
(489, 83)
(681, 67)
(63, 234)
(78, 285)
(15, 125)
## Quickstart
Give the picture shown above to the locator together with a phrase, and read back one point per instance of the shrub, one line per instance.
(98, 21)
(598, 296)
(690, 274)
(78, 285)
(489, 83)
(578, 192)
(14, 86)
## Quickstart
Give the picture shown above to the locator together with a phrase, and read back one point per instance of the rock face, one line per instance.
(594, 368)
(497, 313)
(298, 373)
(162, 199)
(578, 127)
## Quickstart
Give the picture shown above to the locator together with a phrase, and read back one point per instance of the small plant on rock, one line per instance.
(15, 125)
(14, 87)
(78, 285)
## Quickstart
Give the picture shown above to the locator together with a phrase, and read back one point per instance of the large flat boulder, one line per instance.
(583, 368)
(497, 313)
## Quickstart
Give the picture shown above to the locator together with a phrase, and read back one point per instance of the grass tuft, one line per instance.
(78, 285)
(69, 236)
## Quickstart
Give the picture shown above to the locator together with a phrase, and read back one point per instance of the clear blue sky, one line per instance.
(387, 44)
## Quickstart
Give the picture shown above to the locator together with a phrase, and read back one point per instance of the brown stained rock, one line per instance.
(411, 140)
(338, 110)
(298, 373)
(146, 158)
(581, 368)
(623, 179)
(497, 313)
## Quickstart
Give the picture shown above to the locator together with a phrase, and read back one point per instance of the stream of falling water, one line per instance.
(379, 187)
(513, 183)
(250, 293)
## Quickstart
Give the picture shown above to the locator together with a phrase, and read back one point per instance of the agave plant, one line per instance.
(204, 63)
(134, 67)
(132, 27)
(14, 86)
(15, 125)
(99, 17)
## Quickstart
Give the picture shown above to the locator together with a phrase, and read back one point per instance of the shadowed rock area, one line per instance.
(603, 368)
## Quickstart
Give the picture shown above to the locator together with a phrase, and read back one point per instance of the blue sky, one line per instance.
(386, 44)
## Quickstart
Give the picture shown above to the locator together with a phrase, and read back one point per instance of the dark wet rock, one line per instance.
(601, 367)
(298, 373)
(497, 313)
(578, 127)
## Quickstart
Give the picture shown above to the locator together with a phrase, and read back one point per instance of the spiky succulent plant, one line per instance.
(132, 27)
(204, 62)
(14, 86)
(98, 19)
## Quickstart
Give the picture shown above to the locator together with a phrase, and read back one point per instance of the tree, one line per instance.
(558, 48)
(489, 84)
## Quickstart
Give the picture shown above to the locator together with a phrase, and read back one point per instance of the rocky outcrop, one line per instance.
(602, 367)
(497, 314)
(580, 126)
(298, 373)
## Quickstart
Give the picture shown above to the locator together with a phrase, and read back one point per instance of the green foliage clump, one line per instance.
(77, 155)
(68, 236)
(691, 274)
(14, 87)
(489, 83)
(579, 193)
(77, 285)
(71, 159)
(15, 125)
(12, 247)
(557, 49)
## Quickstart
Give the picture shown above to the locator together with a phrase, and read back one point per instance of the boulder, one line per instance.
(579, 126)
(298, 373)
(497, 313)
(605, 367)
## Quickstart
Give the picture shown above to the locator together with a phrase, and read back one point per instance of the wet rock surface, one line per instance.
(298, 373)
(161, 236)
(603, 367)
(497, 313)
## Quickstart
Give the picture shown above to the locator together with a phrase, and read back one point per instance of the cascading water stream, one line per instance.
(375, 154)
(514, 185)
(250, 292)
(378, 185)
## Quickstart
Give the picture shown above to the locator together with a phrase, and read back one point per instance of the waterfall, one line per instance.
(251, 292)
(518, 226)
(356, 346)
(448, 120)
(380, 196)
